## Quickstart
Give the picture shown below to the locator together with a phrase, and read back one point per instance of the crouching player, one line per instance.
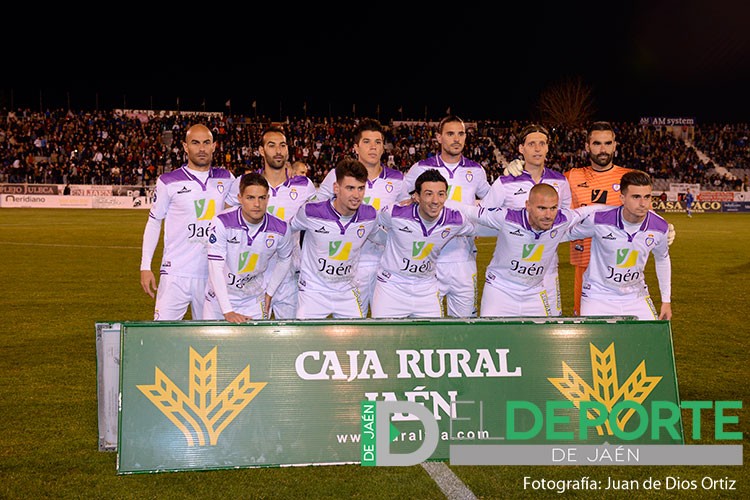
(621, 240)
(525, 252)
(242, 242)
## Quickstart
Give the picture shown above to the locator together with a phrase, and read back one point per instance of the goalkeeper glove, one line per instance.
(514, 168)
(670, 234)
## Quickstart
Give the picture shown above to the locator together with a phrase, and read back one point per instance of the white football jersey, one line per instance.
(331, 248)
(187, 206)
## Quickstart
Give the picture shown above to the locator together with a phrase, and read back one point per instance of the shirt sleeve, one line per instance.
(150, 240)
(663, 266)
(217, 252)
(325, 190)
(283, 264)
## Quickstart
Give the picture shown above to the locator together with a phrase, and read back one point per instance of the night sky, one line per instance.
(661, 58)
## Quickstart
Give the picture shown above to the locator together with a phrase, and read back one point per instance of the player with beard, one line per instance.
(286, 194)
(598, 182)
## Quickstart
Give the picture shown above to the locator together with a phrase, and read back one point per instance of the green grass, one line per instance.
(64, 270)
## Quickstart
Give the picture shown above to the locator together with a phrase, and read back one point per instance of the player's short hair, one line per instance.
(352, 168)
(268, 130)
(448, 119)
(600, 127)
(543, 189)
(530, 129)
(635, 178)
(431, 175)
(368, 125)
(253, 179)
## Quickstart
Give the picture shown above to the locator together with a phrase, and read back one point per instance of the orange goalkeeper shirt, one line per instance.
(588, 186)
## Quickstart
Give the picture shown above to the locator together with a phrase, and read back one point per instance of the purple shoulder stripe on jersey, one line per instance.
(515, 216)
(219, 173)
(392, 173)
(232, 219)
(365, 213)
(553, 174)
(321, 210)
(275, 225)
(655, 222)
(175, 176)
(403, 212)
(451, 216)
(467, 163)
(561, 218)
(297, 180)
(429, 162)
(522, 177)
(607, 217)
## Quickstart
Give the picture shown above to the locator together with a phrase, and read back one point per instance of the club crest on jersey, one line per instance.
(270, 241)
(649, 240)
(553, 233)
(616, 187)
(388, 187)
(293, 194)
(445, 233)
(360, 231)
(220, 187)
(469, 176)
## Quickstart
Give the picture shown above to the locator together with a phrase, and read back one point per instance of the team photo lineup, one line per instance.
(372, 241)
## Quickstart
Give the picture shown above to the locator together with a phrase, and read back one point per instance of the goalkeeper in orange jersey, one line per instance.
(597, 183)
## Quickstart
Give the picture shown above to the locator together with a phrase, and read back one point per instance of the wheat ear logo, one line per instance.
(606, 390)
(626, 257)
(205, 412)
(532, 252)
(205, 209)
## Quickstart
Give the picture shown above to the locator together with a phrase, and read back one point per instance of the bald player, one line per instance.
(525, 252)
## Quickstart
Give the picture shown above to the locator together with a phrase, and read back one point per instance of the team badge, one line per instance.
(361, 231)
(469, 176)
(388, 187)
(553, 233)
(270, 241)
(650, 240)
(445, 233)
(293, 194)
(615, 187)
(220, 187)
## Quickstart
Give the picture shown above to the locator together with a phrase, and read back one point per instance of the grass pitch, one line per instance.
(64, 270)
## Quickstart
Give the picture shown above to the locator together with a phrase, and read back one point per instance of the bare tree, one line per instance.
(568, 102)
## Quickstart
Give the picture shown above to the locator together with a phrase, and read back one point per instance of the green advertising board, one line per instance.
(214, 395)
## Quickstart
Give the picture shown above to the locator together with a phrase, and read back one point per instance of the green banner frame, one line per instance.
(214, 395)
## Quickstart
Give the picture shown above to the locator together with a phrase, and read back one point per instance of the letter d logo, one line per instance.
(383, 412)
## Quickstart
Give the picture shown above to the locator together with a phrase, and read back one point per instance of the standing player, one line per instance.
(187, 200)
(525, 253)
(241, 243)
(383, 188)
(511, 191)
(597, 183)
(467, 181)
(287, 193)
(335, 231)
(407, 286)
(689, 199)
(622, 239)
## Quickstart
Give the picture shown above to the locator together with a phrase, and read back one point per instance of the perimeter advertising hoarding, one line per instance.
(214, 395)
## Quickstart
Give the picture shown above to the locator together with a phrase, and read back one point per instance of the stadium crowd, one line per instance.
(108, 147)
